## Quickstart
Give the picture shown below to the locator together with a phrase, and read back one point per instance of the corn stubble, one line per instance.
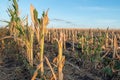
(60, 59)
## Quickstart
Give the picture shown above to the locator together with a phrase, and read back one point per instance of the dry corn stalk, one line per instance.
(15, 21)
(107, 39)
(64, 41)
(18, 29)
(36, 72)
(27, 35)
(92, 39)
(60, 59)
(3, 44)
(48, 63)
(112, 40)
(73, 41)
(115, 46)
(32, 13)
(82, 43)
(40, 30)
(29, 44)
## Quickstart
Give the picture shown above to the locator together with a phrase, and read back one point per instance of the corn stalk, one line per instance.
(64, 41)
(60, 59)
(28, 39)
(40, 30)
(73, 41)
(15, 21)
(82, 43)
(115, 46)
(18, 29)
(107, 39)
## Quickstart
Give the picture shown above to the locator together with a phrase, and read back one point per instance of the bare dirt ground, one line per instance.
(12, 68)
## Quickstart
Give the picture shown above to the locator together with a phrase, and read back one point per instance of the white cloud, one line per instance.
(112, 23)
(97, 8)
(90, 8)
(107, 21)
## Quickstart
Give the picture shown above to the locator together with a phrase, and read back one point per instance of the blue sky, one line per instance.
(71, 13)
